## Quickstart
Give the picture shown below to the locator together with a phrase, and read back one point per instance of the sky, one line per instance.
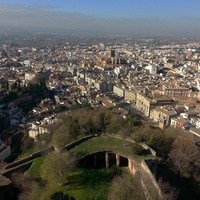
(128, 17)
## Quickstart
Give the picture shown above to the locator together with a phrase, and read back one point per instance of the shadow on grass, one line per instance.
(143, 152)
(91, 177)
(140, 151)
(90, 183)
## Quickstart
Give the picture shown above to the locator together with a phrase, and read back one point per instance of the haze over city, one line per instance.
(127, 17)
(99, 99)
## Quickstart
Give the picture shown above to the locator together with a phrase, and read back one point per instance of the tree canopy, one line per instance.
(126, 187)
(56, 166)
(161, 141)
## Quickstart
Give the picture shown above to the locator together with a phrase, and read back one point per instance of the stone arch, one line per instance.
(103, 159)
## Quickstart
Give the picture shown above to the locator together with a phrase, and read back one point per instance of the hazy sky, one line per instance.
(146, 17)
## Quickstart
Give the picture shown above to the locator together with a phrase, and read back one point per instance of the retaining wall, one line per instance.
(145, 166)
(28, 158)
(77, 142)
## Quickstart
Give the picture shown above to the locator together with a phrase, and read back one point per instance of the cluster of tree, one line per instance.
(82, 122)
(160, 140)
(36, 88)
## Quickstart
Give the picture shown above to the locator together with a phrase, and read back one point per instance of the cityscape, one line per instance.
(105, 107)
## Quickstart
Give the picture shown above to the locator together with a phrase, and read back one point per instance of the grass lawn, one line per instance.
(82, 184)
(26, 153)
(109, 144)
(34, 170)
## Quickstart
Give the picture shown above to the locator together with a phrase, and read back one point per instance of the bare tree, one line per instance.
(25, 184)
(185, 159)
(168, 192)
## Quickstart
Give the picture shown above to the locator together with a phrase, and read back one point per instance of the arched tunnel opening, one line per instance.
(123, 162)
(99, 159)
(96, 160)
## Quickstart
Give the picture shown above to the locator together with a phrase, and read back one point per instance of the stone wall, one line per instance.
(145, 146)
(75, 143)
(146, 165)
(5, 152)
(28, 158)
